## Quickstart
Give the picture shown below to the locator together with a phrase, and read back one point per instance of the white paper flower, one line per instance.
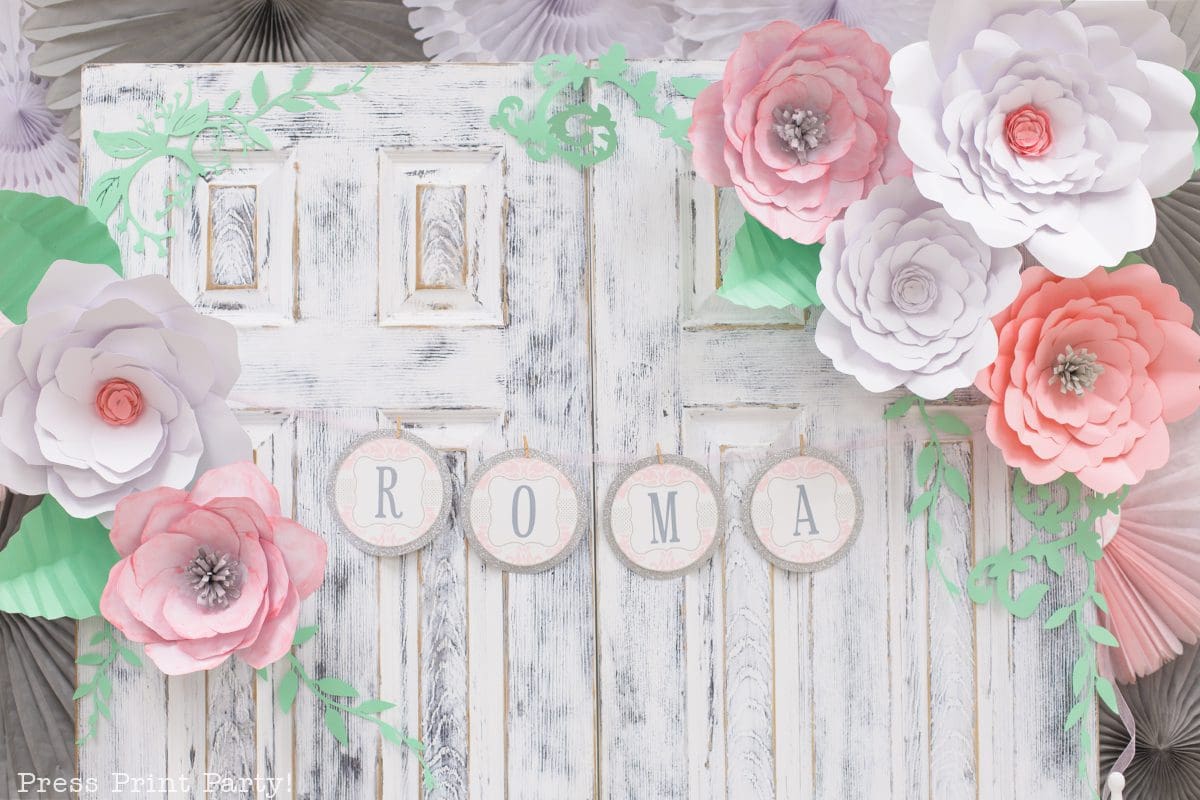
(113, 386)
(713, 28)
(35, 153)
(909, 294)
(1048, 127)
(524, 30)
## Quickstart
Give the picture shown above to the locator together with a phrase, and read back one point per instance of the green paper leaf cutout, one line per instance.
(899, 408)
(36, 231)
(1100, 635)
(55, 566)
(336, 687)
(289, 684)
(1108, 694)
(258, 90)
(690, 87)
(336, 726)
(100, 687)
(374, 706)
(1194, 78)
(1028, 601)
(304, 634)
(764, 269)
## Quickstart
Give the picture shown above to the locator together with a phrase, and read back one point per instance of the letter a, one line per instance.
(804, 513)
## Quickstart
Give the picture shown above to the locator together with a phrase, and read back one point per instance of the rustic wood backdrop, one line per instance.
(400, 259)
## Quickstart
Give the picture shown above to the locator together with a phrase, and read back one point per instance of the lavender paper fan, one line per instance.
(712, 28)
(523, 30)
(35, 154)
(37, 679)
(71, 33)
(1166, 707)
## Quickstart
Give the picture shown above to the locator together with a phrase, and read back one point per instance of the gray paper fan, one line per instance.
(71, 33)
(1176, 249)
(1166, 707)
(37, 679)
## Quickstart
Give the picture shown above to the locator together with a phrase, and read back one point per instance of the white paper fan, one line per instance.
(1176, 249)
(713, 28)
(72, 33)
(1150, 573)
(523, 30)
(1166, 708)
(35, 154)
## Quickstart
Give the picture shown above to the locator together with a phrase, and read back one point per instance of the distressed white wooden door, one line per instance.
(744, 681)
(398, 259)
(402, 260)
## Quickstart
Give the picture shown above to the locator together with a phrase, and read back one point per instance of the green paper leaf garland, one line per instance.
(764, 269)
(99, 688)
(36, 231)
(55, 566)
(332, 692)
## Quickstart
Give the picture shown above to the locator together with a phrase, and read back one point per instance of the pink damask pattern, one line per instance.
(389, 534)
(664, 558)
(519, 553)
(803, 550)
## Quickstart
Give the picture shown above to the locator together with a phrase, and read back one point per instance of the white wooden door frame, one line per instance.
(581, 289)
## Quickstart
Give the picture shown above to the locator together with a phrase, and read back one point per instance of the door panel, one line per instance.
(401, 262)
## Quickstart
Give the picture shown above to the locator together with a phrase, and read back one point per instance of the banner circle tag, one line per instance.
(524, 513)
(664, 515)
(391, 493)
(804, 511)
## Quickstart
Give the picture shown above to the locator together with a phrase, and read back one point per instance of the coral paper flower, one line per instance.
(800, 126)
(1090, 371)
(1047, 126)
(909, 294)
(211, 573)
(113, 386)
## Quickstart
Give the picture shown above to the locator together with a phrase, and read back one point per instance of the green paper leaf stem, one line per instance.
(99, 688)
(764, 269)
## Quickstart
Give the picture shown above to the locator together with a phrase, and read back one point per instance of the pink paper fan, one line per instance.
(1150, 573)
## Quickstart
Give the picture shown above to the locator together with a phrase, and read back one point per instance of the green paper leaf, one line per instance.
(957, 483)
(926, 461)
(123, 145)
(294, 105)
(374, 706)
(337, 726)
(1194, 78)
(1076, 716)
(304, 634)
(948, 423)
(690, 87)
(1100, 601)
(1058, 618)
(289, 684)
(130, 657)
(258, 90)
(1107, 693)
(301, 79)
(1101, 635)
(325, 102)
(764, 269)
(90, 660)
(56, 565)
(99, 636)
(920, 505)
(259, 137)
(263, 674)
(899, 408)
(189, 120)
(232, 100)
(1027, 603)
(36, 231)
(336, 687)
(82, 691)
(1079, 675)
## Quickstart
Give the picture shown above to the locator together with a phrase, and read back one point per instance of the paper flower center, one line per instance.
(1076, 371)
(1027, 131)
(801, 130)
(914, 290)
(119, 402)
(215, 577)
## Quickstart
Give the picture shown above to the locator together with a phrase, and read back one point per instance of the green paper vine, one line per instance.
(581, 134)
(334, 695)
(1063, 517)
(100, 686)
(934, 473)
(173, 130)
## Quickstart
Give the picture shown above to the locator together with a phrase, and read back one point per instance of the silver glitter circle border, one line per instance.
(440, 524)
(748, 511)
(582, 504)
(700, 470)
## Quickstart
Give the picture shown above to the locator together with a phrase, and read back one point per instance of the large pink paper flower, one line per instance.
(800, 126)
(1090, 371)
(211, 573)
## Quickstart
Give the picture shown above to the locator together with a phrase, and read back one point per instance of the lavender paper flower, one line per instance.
(909, 293)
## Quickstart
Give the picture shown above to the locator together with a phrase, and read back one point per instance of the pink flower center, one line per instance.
(119, 402)
(1027, 131)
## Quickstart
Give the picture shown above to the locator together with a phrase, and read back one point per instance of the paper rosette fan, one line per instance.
(1150, 572)
(37, 679)
(35, 154)
(1166, 709)
(524, 30)
(713, 28)
(71, 33)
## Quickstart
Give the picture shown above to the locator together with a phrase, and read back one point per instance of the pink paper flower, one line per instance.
(800, 126)
(211, 573)
(1090, 371)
